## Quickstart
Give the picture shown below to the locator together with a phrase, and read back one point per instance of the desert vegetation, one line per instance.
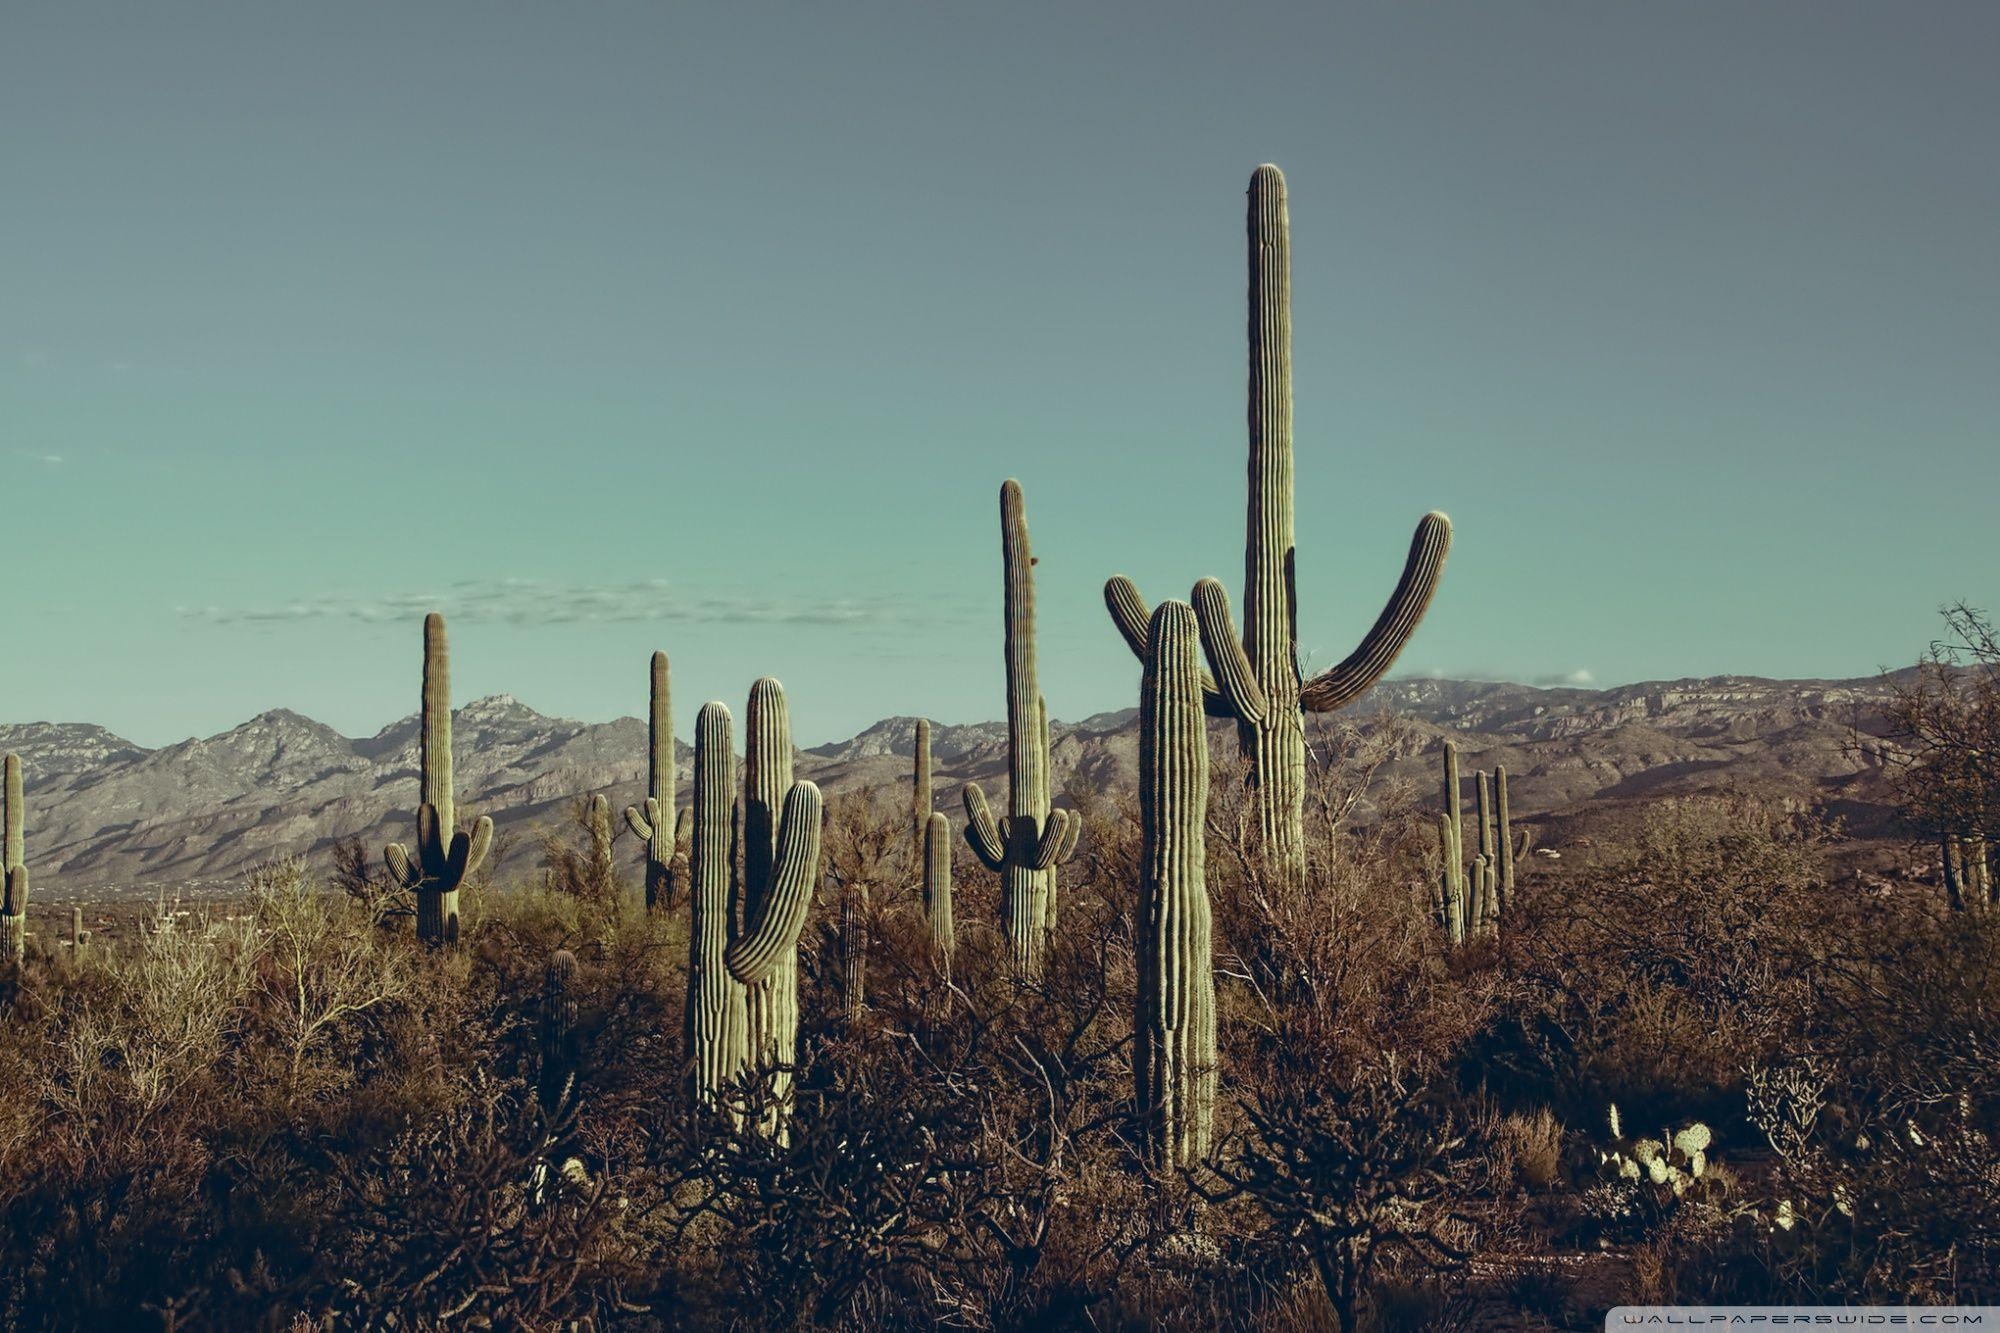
(1273, 1042)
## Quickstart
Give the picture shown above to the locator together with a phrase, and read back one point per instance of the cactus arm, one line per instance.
(684, 827)
(433, 842)
(17, 891)
(980, 831)
(1068, 848)
(1129, 614)
(397, 858)
(1343, 684)
(794, 874)
(468, 851)
(641, 825)
(1231, 666)
(1055, 832)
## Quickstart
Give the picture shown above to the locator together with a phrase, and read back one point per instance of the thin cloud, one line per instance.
(1581, 678)
(525, 602)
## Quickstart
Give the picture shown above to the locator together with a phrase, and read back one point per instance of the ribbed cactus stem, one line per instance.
(1504, 843)
(766, 950)
(937, 889)
(13, 865)
(558, 1034)
(1174, 1067)
(601, 865)
(1255, 678)
(655, 821)
(77, 934)
(716, 1023)
(1450, 896)
(772, 1001)
(1954, 880)
(1023, 846)
(921, 800)
(1483, 798)
(444, 854)
(853, 947)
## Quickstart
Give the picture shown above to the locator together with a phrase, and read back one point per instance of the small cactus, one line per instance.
(1175, 1065)
(13, 858)
(603, 870)
(557, 1084)
(1023, 846)
(853, 947)
(445, 854)
(78, 936)
(654, 822)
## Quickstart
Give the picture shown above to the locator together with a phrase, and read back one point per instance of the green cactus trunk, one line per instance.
(1503, 842)
(1256, 676)
(937, 890)
(603, 869)
(771, 1003)
(556, 1086)
(921, 800)
(13, 866)
(444, 855)
(716, 1023)
(1175, 1066)
(655, 823)
(1451, 841)
(78, 936)
(853, 947)
(1024, 845)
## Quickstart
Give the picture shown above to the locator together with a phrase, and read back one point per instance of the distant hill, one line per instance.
(105, 814)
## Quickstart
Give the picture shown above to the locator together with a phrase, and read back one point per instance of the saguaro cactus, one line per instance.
(445, 854)
(1503, 842)
(853, 946)
(557, 1084)
(656, 824)
(1256, 676)
(716, 1025)
(1451, 847)
(728, 965)
(13, 863)
(920, 791)
(1031, 839)
(603, 869)
(1174, 1068)
(937, 889)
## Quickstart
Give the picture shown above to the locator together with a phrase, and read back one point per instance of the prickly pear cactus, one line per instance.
(1174, 1066)
(1256, 677)
(445, 855)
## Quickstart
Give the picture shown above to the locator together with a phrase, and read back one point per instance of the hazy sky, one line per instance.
(607, 327)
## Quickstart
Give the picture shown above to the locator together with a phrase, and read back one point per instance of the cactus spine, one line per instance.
(1023, 846)
(937, 889)
(1256, 676)
(716, 1024)
(1175, 1069)
(558, 1035)
(655, 822)
(13, 865)
(445, 854)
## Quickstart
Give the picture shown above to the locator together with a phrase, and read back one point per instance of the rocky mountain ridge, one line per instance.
(105, 814)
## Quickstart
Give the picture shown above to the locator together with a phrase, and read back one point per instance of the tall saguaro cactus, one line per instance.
(1174, 1067)
(738, 1011)
(1256, 677)
(1023, 846)
(445, 854)
(937, 889)
(1457, 899)
(13, 864)
(716, 1024)
(920, 792)
(655, 824)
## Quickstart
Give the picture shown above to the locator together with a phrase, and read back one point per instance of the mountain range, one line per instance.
(106, 816)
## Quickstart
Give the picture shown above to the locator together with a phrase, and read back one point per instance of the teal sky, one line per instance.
(716, 328)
